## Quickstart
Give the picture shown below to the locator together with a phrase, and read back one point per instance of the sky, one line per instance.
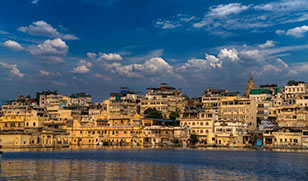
(97, 46)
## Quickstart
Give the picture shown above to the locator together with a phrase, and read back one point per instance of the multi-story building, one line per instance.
(238, 109)
(114, 131)
(291, 116)
(122, 104)
(262, 98)
(200, 122)
(229, 132)
(302, 100)
(292, 89)
(164, 133)
(285, 138)
(211, 96)
(29, 129)
(165, 99)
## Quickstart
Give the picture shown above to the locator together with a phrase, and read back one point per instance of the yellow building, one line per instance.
(115, 131)
(283, 138)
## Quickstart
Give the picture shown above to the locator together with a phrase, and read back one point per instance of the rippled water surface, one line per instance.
(149, 164)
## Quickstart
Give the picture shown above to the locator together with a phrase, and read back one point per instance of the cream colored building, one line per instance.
(283, 138)
(291, 116)
(238, 109)
(229, 133)
(165, 99)
(165, 136)
(200, 123)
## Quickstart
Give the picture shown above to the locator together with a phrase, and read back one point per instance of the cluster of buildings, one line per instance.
(265, 116)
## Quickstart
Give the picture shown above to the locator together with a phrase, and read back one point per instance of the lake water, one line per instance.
(149, 164)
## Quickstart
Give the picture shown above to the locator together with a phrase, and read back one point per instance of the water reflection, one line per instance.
(85, 170)
(149, 164)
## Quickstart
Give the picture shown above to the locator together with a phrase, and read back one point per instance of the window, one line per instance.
(34, 124)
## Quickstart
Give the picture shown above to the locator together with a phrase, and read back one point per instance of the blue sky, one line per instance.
(97, 46)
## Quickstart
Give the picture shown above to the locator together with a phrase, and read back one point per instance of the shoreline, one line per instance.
(99, 148)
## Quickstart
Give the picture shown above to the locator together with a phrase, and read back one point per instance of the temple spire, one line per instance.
(250, 85)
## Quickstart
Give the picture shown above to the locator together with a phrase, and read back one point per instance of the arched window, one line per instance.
(34, 124)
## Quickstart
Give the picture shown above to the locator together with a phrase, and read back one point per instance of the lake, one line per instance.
(149, 164)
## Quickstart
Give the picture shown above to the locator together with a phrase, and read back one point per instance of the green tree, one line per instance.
(193, 139)
(153, 113)
(173, 115)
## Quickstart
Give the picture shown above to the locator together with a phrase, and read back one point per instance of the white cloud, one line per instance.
(41, 28)
(13, 45)
(281, 49)
(91, 55)
(227, 9)
(152, 67)
(198, 65)
(175, 22)
(43, 72)
(232, 54)
(58, 83)
(224, 19)
(222, 11)
(34, 1)
(284, 5)
(280, 32)
(268, 44)
(109, 56)
(146, 56)
(298, 32)
(50, 50)
(167, 24)
(105, 77)
(83, 67)
(50, 47)
(252, 56)
(186, 18)
(46, 73)
(13, 69)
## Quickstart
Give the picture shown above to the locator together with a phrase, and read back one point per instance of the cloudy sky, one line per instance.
(97, 46)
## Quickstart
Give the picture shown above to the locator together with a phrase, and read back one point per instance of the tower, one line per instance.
(250, 85)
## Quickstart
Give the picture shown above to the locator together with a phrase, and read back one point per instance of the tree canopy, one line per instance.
(153, 113)
(173, 115)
